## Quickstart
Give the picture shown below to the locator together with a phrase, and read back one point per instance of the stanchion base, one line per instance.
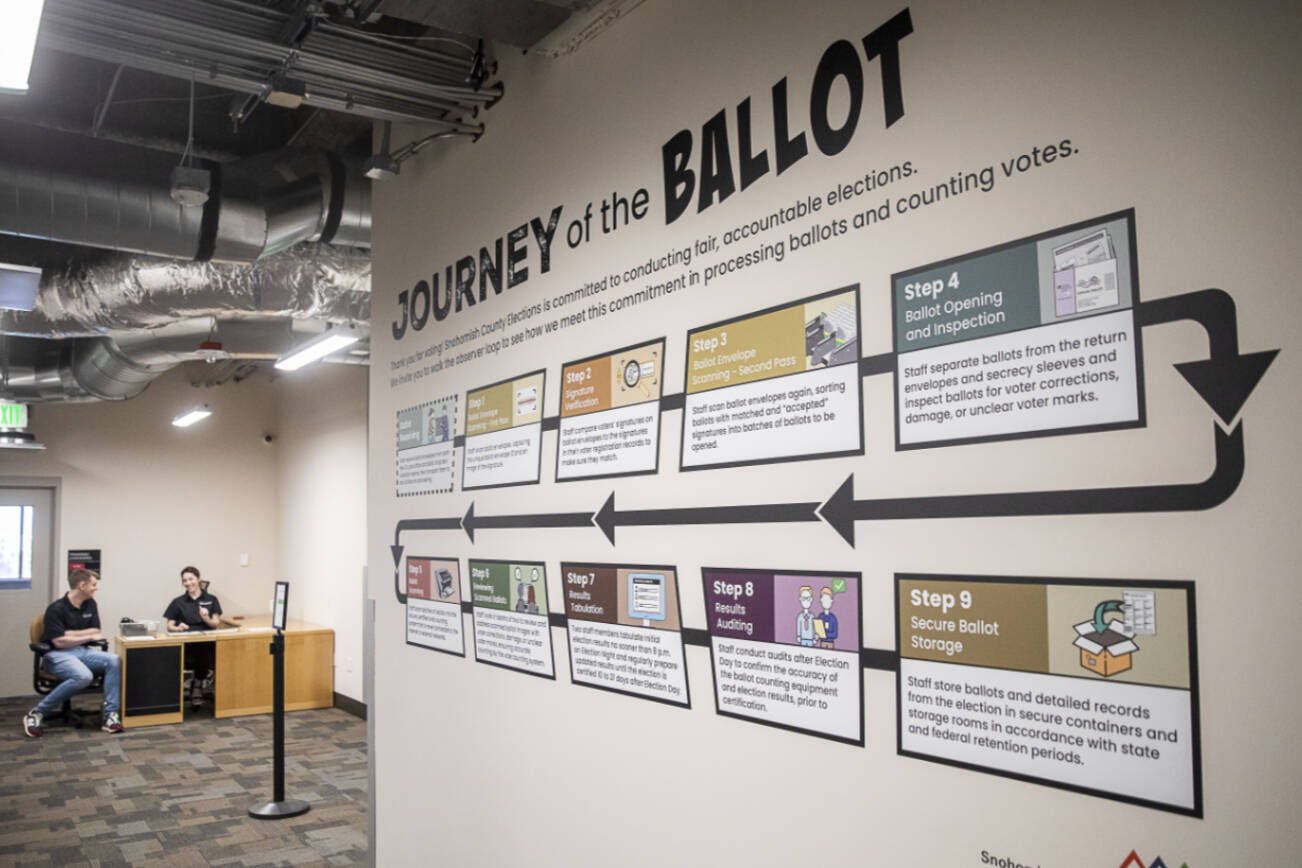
(279, 810)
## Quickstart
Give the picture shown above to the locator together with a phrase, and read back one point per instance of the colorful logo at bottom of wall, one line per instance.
(1133, 861)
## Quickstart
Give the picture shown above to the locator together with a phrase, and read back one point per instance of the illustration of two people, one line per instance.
(526, 597)
(816, 630)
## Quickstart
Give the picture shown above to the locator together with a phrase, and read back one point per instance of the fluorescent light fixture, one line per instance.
(194, 414)
(18, 43)
(18, 286)
(319, 347)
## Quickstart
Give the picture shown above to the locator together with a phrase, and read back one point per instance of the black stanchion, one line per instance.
(279, 807)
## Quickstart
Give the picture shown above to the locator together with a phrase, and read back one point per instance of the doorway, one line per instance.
(27, 525)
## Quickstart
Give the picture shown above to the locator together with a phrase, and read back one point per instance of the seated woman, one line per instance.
(196, 609)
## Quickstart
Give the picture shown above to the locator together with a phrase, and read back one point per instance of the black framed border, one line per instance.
(858, 667)
(278, 623)
(470, 604)
(1195, 727)
(1141, 402)
(678, 582)
(560, 420)
(778, 459)
(460, 612)
(541, 423)
(451, 441)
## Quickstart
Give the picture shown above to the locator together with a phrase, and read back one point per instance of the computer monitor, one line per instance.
(646, 596)
(281, 605)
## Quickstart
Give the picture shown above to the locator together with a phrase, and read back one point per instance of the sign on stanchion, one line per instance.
(279, 807)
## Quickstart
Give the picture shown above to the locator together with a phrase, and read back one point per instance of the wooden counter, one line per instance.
(152, 664)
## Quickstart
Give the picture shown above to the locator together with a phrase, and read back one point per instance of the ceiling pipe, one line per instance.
(128, 292)
(87, 369)
(80, 190)
(235, 45)
(104, 330)
(121, 366)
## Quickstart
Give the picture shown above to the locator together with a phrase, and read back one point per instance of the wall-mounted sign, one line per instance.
(510, 616)
(13, 415)
(504, 433)
(434, 604)
(84, 559)
(1085, 684)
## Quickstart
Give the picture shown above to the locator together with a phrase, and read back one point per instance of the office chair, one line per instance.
(44, 682)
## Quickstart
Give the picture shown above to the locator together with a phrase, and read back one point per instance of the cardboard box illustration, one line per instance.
(1106, 653)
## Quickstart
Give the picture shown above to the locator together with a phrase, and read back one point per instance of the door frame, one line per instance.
(55, 486)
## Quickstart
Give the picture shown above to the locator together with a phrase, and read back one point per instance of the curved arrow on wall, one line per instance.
(1224, 380)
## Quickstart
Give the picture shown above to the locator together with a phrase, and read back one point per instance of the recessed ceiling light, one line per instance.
(319, 347)
(194, 414)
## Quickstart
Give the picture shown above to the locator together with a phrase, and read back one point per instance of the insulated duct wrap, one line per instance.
(138, 292)
(236, 270)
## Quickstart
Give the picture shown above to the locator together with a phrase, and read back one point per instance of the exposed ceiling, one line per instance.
(262, 84)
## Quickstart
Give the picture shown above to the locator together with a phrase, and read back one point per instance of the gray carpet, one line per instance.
(179, 795)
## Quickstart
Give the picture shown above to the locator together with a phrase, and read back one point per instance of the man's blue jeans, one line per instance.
(77, 666)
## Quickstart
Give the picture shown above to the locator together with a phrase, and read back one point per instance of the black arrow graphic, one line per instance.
(672, 402)
(841, 510)
(396, 548)
(879, 658)
(419, 524)
(1227, 378)
(879, 364)
(471, 522)
(608, 518)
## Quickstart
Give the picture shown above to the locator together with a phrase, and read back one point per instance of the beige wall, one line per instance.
(1180, 111)
(155, 498)
(321, 504)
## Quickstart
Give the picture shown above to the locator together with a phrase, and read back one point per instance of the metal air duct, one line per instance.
(64, 187)
(121, 366)
(86, 369)
(120, 322)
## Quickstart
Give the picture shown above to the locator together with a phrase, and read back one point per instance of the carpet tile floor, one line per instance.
(179, 795)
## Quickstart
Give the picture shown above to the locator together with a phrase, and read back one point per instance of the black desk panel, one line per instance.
(154, 683)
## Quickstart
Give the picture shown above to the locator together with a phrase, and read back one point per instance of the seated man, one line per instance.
(70, 623)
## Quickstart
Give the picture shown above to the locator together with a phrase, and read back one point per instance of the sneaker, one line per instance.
(32, 724)
(112, 723)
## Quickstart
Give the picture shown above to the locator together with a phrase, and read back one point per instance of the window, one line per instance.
(16, 526)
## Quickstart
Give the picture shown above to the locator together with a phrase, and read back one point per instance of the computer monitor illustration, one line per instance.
(646, 596)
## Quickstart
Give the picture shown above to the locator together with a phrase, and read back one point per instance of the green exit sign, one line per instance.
(13, 415)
